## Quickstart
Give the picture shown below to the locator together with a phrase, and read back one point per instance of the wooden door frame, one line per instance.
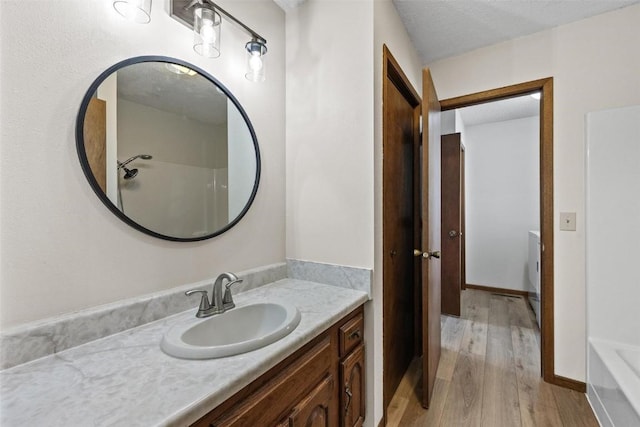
(392, 74)
(545, 87)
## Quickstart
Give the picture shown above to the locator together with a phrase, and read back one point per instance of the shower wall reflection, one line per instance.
(183, 190)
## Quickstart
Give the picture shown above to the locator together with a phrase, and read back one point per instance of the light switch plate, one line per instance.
(568, 221)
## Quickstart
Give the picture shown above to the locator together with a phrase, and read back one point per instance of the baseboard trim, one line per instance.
(569, 383)
(523, 294)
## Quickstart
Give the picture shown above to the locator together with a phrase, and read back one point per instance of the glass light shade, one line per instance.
(138, 11)
(255, 61)
(206, 32)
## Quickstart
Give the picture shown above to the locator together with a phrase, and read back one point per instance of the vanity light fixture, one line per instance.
(255, 60)
(138, 11)
(206, 31)
(205, 18)
(536, 95)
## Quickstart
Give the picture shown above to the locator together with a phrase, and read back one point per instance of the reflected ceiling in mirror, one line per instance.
(168, 149)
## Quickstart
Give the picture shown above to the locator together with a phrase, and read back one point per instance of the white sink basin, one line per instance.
(236, 331)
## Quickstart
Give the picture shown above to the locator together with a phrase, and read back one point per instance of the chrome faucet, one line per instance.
(219, 302)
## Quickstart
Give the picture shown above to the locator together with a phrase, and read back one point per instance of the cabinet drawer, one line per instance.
(270, 402)
(351, 334)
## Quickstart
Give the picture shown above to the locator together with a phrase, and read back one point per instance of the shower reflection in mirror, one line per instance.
(128, 174)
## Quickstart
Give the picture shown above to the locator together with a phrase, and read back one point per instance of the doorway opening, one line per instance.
(545, 88)
(491, 201)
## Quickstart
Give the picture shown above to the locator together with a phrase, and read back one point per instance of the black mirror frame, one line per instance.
(84, 162)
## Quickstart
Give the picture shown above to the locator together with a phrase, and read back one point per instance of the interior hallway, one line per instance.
(489, 373)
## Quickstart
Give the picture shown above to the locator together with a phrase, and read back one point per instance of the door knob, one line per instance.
(426, 255)
(453, 233)
(432, 254)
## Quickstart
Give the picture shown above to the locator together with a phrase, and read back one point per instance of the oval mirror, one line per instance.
(168, 149)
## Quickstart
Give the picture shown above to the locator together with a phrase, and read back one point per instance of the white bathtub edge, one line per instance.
(625, 379)
(598, 408)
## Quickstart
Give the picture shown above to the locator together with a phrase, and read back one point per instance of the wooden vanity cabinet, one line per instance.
(320, 385)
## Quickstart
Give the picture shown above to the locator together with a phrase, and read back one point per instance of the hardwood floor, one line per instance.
(489, 373)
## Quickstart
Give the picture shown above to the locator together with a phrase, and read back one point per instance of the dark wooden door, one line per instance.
(452, 175)
(430, 210)
(401, 139)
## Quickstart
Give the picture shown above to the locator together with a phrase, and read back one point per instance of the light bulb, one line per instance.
(255, 60)
(207, 32)
(255, 63)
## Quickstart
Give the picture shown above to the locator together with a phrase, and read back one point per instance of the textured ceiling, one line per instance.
(154, 85)
(499, 111)
(444, 28)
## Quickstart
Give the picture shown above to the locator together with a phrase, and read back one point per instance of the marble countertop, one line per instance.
(126, 380)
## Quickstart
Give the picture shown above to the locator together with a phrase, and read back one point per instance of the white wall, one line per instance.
(61, 249)
(595, 64)
(448, 122)
(502, 201)
(613, 225)
(330, 132)
(459, 125)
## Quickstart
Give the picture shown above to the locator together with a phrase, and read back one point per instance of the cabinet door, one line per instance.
(314, 409)
(352, 393)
